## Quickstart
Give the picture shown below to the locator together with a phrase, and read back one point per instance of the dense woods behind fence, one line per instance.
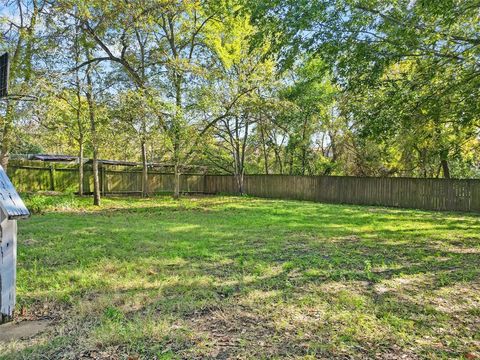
(431, 194)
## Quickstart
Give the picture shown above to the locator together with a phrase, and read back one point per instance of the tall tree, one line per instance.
(246, 74)
(89, 93)
(19, 39)
(403, 64)
(137, 118)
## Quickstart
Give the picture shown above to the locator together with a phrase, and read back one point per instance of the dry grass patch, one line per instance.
(226, 278)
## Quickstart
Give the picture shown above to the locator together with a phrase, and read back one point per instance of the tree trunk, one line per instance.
(304, 159)
(80, 169)
(278, 159)
(81, 130)
(423, 157)
(96, 180)
(333, 143)
(291, 162)
(445, 169)
(265, 153)
(93, 130)
(144, 170)
(176, 191)
(81, 136)
(304, 147)
(239, 178)
(6, 137)
(237, 173)
(176, 135)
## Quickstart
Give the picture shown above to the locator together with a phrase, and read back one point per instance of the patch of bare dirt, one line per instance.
(42, 311)
(111, 353)
(15, 331)
(236, 333)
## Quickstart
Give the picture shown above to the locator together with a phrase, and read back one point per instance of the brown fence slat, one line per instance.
(430, 194)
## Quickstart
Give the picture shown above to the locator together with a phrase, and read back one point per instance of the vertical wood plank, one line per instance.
(8, 265)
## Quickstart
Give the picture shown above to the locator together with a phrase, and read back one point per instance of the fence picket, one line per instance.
(430, 194)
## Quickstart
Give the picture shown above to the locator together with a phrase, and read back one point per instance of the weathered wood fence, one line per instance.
(431, 194)
(29, 175)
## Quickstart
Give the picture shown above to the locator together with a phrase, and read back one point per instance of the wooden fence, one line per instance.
(43, 176)
(431, 194)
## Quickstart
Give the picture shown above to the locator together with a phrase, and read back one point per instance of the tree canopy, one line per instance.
(317, 87)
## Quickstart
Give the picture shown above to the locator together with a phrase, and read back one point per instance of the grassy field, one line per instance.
(226, 277)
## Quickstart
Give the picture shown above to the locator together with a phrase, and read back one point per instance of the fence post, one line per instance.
(52, 177)
(102, 179)
(205, 182)
(474, 195)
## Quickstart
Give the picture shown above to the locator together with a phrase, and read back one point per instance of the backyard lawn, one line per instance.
(229, 277)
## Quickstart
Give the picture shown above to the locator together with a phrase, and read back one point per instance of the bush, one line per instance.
(40, 203)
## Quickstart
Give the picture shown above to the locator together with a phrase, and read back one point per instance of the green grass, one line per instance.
(225, 277)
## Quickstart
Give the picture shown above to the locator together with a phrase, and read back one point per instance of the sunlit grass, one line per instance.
(225, 276)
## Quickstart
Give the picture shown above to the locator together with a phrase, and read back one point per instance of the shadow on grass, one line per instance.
(261, 278)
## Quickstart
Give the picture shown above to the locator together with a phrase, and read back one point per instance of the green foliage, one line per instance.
(408, 71)
(342, 87)
(39, 204)
(310, 101)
